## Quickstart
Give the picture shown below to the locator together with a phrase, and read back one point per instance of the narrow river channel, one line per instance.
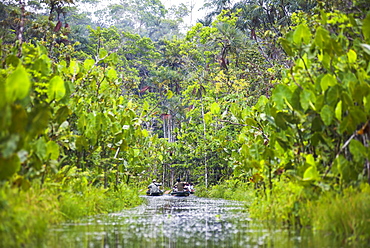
(176, 222)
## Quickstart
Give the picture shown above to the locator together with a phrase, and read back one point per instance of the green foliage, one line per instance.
(313, 131)
(26, 215)
(225, 104)
(145, 18)
(311, 118)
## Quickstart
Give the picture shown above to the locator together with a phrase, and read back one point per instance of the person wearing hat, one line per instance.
(179, 186)
(154, 187)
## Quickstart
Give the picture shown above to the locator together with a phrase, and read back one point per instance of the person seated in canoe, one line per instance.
(154, 188)
(186, 186)
(179, 186)
(191, 188)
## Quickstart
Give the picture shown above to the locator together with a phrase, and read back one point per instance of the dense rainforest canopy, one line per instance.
(265, 93)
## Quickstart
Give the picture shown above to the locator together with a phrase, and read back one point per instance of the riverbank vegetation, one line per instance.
(264, 101)
(29, 209)
(343, 214)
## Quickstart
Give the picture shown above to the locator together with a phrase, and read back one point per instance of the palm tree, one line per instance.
(232, 40)
(216, 6)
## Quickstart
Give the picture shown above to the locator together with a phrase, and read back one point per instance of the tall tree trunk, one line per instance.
(368, 170)
(105, 175)
(168, 127)
(117, 169)
(205, 152)
(164, 170)
(366, 144)
(22, 6)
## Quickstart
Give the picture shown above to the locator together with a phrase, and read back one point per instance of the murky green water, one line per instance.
(177, 222)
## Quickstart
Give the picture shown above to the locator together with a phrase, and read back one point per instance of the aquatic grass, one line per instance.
(124, 197)
(346, 215)
(282, 205)
(97, 200)
(85, 201)
(229, 190)
(26, 215)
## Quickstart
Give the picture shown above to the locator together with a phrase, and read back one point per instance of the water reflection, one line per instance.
(173, 222)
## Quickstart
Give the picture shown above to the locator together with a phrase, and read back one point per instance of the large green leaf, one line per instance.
(320, 102)
(295, 100)
(42, 65)
(333, 95)
(344, 168)
(280, 94)
(347, 100)
(307, 99)
(347, 125)
(311, 174)
(56, 89)
(82, 123)
(38, 120)
(136, 152)
(17, 85)
(338, 111)
(88, 63)
(208, 118)
(367, 103)
(215, 108)
(52, 150)
(322, 37)
(81, 143)
(358, 151)
(112, 74)
(317, 124)
(113, 59)
(19, 119)
(12, 60)
(359, 91)
(261, 104)
(244, 151)
(327, 115)
(281, 121)
(9, 166)
(40, 148)
(74, 68)
(366, 28)
(102, 53)
(358, 115)
(145, 133)
(302, 34)
(310, 160)
(316, 138)
(62, 114)
(352, 56)
(328, 80)
(286, 46)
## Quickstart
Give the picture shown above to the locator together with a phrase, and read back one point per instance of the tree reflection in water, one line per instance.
(174, 222)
